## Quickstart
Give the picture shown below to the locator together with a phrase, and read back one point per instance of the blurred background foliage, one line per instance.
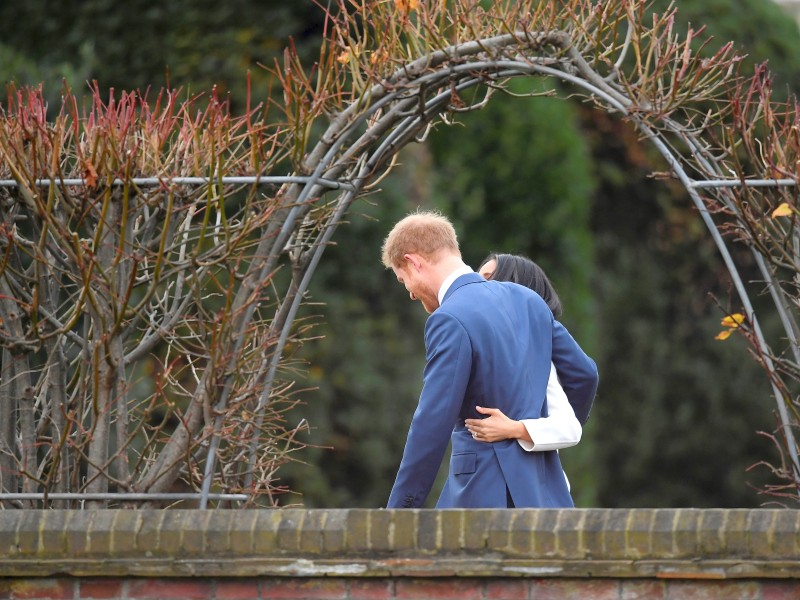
(677, 416)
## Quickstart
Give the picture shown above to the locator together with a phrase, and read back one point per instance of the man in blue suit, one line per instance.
(487, 343)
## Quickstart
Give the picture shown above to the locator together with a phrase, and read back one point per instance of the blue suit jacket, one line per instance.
(490, 344)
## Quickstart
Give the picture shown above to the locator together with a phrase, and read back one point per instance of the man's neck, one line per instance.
(454, 270)
(445, 266)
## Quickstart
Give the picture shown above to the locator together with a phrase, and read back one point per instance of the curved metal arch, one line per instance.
(402, 113)
(360, 142)
(359, 146)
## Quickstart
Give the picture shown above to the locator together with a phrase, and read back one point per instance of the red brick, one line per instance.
(439, 589)
(44, 589)
(636, 589)
(100, 588)
(165, 589)
(371, 589)
(780, 590)
(507, 589)
(237, 589)
(585, 589)
(713, 590)
(316, 589)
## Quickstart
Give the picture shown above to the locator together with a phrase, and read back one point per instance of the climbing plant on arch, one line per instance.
(184, 239)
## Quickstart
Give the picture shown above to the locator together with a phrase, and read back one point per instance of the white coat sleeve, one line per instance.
(560, 429)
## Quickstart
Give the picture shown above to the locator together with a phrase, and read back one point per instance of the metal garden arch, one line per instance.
(389, 70)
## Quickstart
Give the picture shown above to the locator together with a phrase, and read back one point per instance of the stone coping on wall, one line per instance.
(617, 543)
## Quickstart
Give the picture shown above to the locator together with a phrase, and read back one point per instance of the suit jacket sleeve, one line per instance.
(576, 372)
(448, 354)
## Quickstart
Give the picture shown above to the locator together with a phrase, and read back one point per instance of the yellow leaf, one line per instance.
(344, 57)
(406, 5)
(377, 55)
(733, 320)
(723, 335)
(89, 174)
(784, 210)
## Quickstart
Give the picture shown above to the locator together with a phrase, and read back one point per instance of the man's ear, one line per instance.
(413, 261)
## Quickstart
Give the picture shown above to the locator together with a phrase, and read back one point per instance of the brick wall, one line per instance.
(590, 554)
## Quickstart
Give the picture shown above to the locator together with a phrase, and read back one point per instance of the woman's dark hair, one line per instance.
(522, 270)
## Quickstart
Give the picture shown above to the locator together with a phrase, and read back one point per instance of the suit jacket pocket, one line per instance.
(463, 463)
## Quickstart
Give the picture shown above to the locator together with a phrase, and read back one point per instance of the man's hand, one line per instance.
(496, 426)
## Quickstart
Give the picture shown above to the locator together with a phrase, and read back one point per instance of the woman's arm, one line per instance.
(560, 429)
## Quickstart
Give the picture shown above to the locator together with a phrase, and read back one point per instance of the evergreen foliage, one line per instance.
(139, 44)
(678, 414)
